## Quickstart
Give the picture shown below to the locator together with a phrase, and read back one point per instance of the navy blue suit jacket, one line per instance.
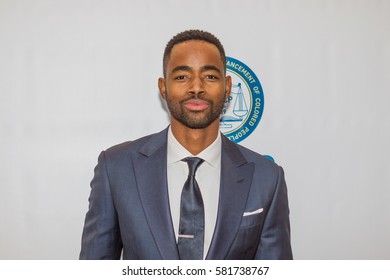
(129, 207)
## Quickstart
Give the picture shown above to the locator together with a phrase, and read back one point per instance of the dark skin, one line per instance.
(195, 69)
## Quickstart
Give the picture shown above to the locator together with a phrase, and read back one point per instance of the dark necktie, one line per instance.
(191, 227)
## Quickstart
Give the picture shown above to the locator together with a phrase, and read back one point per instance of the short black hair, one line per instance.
(193, 34)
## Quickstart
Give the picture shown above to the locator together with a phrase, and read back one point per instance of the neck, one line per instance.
(195, 140)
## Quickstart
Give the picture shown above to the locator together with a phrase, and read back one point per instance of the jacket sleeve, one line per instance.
(101, 235)
(275, 238)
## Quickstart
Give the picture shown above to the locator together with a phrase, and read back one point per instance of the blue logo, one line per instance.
(245, 105)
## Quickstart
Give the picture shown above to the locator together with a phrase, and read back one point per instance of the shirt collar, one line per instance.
(211, 155)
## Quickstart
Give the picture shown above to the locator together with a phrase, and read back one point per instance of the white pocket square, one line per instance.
(258, 211)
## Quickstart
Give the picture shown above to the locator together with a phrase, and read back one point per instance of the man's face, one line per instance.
(195, 86)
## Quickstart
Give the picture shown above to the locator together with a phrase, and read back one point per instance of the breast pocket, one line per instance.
(249, 220)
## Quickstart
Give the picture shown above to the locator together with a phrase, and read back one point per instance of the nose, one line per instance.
(196, 86)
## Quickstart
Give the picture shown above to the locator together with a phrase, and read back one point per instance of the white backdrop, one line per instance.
(78, 76)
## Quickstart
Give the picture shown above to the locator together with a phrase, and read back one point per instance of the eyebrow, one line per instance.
(188, 68)
(211, 67)
(181, 68)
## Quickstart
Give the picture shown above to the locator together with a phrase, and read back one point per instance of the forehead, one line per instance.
(195, 52)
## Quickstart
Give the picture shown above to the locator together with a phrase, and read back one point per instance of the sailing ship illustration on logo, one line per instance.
(240, 108)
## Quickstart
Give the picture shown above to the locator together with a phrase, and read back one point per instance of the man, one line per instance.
(234, 202)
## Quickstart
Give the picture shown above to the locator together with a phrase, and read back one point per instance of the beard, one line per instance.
(195, 119)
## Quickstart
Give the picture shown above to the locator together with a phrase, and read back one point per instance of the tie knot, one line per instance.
(193, 164)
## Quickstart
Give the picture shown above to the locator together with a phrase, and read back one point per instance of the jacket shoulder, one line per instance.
(248, 154)
(261, 162)
(127, 147)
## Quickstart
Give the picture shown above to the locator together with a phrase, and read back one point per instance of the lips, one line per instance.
(196, 105)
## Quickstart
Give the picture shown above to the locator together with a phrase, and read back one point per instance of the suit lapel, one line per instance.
(236, 179)
(151, 175)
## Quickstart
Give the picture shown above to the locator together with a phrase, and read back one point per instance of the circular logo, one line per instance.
(244, 107)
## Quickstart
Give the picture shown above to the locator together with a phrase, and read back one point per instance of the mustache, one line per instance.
(196, 96)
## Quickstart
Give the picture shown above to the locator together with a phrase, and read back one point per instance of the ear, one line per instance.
(228, 86)
(162, 87)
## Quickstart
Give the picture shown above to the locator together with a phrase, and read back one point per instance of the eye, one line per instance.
(180, 77)
(211, 77)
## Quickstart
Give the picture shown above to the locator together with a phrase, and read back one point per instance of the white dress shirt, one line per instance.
(208, 176)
